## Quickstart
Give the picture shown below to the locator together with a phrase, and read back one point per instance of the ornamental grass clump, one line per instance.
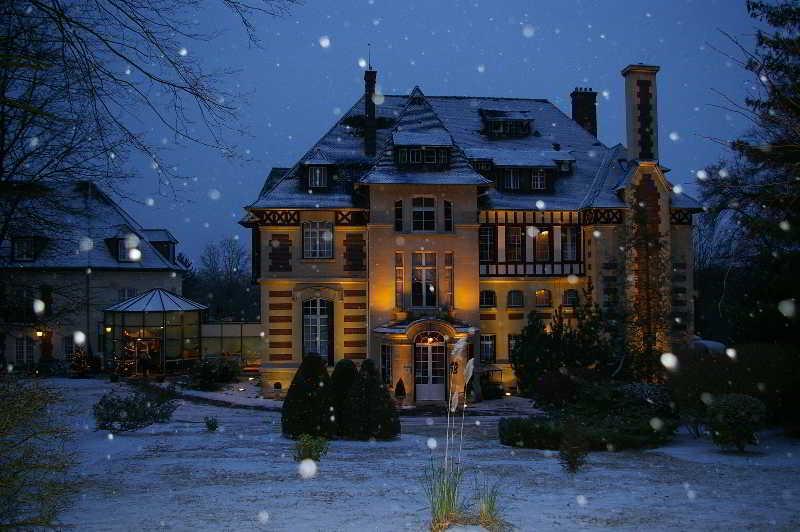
(442, 485)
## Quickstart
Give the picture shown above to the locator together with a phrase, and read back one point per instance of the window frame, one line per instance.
(487, 251)
(567, 295)
(313, 327)
(427, 220)
(543, 298)
(518, 247)
(488, 340)
(538, 179)
(542, 243)
(513, 294)
(493, 299)
(424, 275)
(512, 341)
(386, 364)
(317, 176)
(314, 233)
(572, 245)
(511, 176)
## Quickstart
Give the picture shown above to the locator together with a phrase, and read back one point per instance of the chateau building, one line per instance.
(70, 254)
(420, 231)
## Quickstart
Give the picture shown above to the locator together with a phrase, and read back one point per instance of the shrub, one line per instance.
(310, 447)
(117, 413)
(400, 390)
(574, 448)
(211, 423)
(369, 411)
(489, 388)
(533, 433)
(308, 406)
(344, 375)
(210, 374)
(735, 419)
(554, 388)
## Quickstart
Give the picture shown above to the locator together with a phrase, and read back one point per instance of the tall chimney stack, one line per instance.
(584, 108)
(641, 111)
(370, 79)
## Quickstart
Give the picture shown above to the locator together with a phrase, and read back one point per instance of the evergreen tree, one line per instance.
(308, 407)
(344, 376)
(369, 411)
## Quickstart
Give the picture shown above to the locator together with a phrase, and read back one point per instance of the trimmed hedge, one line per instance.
(344, 375)
(532, 433)
(210, 374)
(308, 407)
(369, 411)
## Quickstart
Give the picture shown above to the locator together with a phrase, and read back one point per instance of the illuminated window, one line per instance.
(543, 246)
(398, 280)
(423, 280)
(316, 328)
(570, 298)
(543, 298)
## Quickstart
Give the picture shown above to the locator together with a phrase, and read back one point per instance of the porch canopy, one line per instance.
(157, 330)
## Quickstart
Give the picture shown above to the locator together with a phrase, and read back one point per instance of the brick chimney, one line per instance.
(584, 108)
(370, 78)
(641, 111)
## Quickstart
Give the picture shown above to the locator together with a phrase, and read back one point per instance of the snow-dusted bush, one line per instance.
(310, 447)
(118, 413)
(344, 375)
(211, 423)
(735, 419)
(308, 407)
(532, 433)
(369, 410)
(212, 373)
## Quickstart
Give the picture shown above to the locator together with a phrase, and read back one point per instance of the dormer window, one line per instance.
(24, 249)
(500, 123)
(538, 181)
(317, 177)
(423, 155)
(512, 178)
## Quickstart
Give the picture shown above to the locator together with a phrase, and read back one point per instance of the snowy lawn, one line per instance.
(177, 476)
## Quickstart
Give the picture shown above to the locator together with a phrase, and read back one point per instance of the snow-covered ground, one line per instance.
(177, 476)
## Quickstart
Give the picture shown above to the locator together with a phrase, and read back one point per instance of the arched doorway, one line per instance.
(430, 363)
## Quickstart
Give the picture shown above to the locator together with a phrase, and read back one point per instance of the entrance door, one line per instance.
(430, 360)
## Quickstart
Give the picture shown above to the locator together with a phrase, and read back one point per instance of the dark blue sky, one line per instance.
(296, 87)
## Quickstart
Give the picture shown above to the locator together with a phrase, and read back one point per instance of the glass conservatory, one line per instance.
(155, 332)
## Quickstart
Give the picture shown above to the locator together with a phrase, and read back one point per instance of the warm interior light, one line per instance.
(508, 394)
(108, 329)
(39, 334)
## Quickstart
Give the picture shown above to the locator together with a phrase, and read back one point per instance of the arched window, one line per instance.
(488, 298)
(570, 298)
(516, 298)
(317, 240)
(543, 298)
(317, 320)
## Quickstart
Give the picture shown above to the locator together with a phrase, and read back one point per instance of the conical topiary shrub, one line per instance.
(400, 391)
(369, 410)
(344, 375)
(308, 407)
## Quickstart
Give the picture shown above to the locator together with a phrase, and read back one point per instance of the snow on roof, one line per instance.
(317, 156)
(90, 221)
(596, 168)
(157, 300)
(159, 235)
(409, 138)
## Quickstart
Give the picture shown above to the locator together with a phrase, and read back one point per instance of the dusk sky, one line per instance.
(307, 72)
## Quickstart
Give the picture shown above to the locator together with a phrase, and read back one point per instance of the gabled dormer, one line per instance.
(26, 248)
(318, 172)
(503, 124)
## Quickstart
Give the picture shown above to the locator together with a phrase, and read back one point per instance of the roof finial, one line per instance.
(369, 56)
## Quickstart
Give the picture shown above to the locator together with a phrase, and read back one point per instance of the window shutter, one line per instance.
(398, 215)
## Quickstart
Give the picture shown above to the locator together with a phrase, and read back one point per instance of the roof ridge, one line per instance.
(603, 169)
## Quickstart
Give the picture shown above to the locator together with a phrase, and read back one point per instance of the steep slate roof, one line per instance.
(88, 212)
(418, 119)
(598, 169)
(156, 300)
